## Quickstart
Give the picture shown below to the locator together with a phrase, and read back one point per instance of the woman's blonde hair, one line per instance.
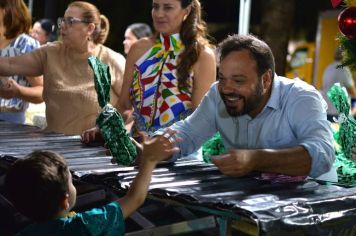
(91, 14)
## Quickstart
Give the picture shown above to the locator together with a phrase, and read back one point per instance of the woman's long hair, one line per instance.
(193, 36)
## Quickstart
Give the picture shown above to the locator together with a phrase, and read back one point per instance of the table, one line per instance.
(254, 206)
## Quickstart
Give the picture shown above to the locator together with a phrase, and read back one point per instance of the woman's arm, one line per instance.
(31, 94)
(136, 51)
(20, 65)
(204, 75)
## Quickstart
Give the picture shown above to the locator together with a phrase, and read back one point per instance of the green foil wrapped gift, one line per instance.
(109, 121)
(347, 130)
(345, 136)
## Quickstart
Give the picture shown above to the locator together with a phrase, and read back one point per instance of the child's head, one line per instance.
(40, 186)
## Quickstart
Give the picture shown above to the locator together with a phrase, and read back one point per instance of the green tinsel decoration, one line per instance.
(349, 52)
(346, 136)
(109, 121)
(213, 146)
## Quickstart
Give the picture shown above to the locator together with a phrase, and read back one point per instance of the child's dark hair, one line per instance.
(37, 184)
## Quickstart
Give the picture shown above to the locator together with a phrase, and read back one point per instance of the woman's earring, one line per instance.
(185, 17)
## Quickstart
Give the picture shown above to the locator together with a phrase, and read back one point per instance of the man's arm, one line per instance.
(311, 153)
(290, 161)
(198, 127)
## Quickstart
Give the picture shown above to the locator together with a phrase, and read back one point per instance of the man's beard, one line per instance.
(249, 104)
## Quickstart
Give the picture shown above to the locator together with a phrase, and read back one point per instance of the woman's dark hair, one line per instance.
(37, 184)
(193, 36)
(50, 28)
(258, 49)
(17, 18)
(140, 30)
(91, 14)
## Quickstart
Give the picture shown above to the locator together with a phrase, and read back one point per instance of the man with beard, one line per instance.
(267, 123)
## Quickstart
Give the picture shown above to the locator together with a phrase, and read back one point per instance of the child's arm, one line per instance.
(154, 150)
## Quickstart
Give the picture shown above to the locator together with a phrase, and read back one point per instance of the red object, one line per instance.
(335, 3)
(347, 22)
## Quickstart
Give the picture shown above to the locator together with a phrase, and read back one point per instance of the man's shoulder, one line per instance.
(293, 90)
(295, 85)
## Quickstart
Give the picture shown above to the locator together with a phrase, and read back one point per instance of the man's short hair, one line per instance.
(258, 49)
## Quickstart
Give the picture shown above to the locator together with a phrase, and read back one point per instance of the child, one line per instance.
(40, 187)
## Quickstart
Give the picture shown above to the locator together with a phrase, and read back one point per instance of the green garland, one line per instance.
(212, 147)
(345, 136)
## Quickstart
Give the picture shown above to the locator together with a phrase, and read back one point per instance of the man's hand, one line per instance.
(235, 163)
(160, 147)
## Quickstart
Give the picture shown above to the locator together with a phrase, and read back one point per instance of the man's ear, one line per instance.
(64, 203)
(267, 80)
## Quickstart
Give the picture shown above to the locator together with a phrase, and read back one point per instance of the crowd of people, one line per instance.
(166, 89)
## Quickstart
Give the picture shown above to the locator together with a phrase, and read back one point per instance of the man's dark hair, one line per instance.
(258, 49)
(37, 184)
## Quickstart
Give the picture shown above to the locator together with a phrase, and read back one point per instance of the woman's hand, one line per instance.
(10, 89)
(92, 136)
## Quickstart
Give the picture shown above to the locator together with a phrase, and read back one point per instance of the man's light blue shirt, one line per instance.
(295, 115)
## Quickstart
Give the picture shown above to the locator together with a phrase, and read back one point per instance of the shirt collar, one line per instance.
(274, 100)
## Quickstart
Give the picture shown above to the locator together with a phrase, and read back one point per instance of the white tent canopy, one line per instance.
(244, 16)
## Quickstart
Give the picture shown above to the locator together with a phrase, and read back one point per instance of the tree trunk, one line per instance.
(276, 23)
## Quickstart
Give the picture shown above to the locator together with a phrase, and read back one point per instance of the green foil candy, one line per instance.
(214, 146)
(109, 121)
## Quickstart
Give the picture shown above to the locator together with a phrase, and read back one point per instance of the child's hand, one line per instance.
(160, 147)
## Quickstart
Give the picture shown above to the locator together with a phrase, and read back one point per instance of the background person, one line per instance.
(16, 91)
(267, 123)
(69, 91)
(133, 33)
(166, 76)
(333, 75)
(44, 31)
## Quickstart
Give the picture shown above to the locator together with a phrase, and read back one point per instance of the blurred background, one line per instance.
(283, 24)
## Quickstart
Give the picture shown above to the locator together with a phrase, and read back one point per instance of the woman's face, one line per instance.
(38, 33)
(168, 16)
(130, 39)
(74, 32)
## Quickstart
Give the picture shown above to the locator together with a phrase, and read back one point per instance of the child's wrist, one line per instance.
(148, 161)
